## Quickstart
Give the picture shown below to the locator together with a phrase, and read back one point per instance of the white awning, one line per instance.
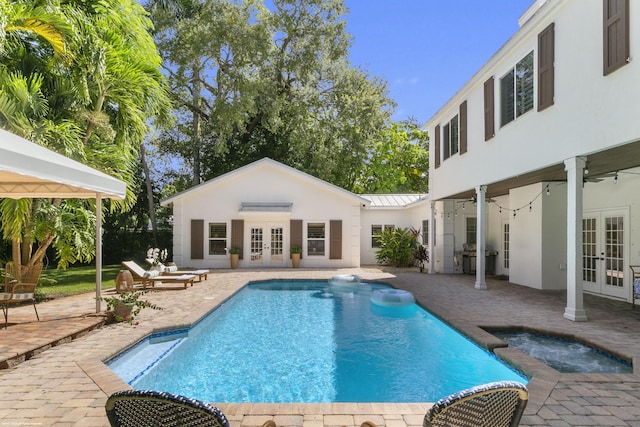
(262, 208)
(28, 170)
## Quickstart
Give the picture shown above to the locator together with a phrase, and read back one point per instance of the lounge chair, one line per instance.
(498, 404)
(19, 287)
(152, 277)
(171, 270)
(145, 408)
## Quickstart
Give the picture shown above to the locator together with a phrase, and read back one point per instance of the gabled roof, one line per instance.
(390, 201)
(266, 163)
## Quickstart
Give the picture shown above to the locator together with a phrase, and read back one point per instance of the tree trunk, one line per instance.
(195, 93)
(147, 180)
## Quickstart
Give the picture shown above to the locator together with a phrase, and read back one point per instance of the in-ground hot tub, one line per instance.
(563, 354)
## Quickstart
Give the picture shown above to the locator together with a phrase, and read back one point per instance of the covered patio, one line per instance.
(573, 173)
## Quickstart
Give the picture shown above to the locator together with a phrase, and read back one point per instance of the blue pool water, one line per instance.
(310, 342)
(564, 355)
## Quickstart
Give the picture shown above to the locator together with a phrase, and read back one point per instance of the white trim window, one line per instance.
(376, 230)
(471, 230)
(425, 232)
(217, 238)
(316, 238)
(451, 138)
(516, 90)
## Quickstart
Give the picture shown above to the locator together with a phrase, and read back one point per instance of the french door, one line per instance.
(266, 243)
(604, 253)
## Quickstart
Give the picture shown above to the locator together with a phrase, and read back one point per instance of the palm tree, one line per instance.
(82, 78)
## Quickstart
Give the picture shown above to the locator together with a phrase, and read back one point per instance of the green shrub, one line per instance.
(396, 247)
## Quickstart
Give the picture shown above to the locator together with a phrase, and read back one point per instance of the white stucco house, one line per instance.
(534, 162)
(266, 207)
(545, 138)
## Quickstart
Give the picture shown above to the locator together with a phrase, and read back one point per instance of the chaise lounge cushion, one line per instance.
(150, 274)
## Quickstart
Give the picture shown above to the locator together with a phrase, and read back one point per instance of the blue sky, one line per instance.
(427, 49)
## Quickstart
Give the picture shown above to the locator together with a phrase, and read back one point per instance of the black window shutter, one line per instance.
(197, 239)
(463, 127)
(295, 228)
(546, 58)
(615, 34)
(489, 110)
(335, 239)
(446, 141)
(237, 235)
(436, 147)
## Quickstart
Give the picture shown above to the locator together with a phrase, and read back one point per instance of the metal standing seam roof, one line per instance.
(392, 200)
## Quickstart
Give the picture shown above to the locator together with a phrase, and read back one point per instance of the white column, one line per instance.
(480, 237)
(432, 238)
(98, 250)
(575, 306)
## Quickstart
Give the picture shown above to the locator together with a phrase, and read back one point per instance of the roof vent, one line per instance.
(524, 18)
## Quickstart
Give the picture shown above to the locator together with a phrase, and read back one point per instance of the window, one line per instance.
(505, 246)
(425, 232)
(217, 238)
(516, 90)
(316, 233)
(471, 230)
(377, 230)
(450, 138)
(616, 34)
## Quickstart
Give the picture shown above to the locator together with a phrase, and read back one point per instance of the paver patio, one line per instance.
(53, 372)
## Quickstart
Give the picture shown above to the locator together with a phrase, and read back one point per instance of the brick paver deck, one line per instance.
(52, 371)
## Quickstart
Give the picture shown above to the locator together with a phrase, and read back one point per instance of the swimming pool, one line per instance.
(306, 342)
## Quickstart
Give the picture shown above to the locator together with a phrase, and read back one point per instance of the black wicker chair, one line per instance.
(498, 404)
(145, 408)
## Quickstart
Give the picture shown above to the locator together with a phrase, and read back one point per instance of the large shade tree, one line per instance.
(250, 82)
(83, 79)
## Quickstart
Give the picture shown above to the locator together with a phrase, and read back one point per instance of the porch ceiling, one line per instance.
(614, 159)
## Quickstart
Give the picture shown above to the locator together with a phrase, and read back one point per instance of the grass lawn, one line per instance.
(75, 280)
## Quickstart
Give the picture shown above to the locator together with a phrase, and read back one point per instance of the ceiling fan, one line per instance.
(601, 177)
(474, 199)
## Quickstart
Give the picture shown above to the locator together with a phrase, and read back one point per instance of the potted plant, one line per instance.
(420, 255)
(295, 256)
(234, 254)
(127, 305)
